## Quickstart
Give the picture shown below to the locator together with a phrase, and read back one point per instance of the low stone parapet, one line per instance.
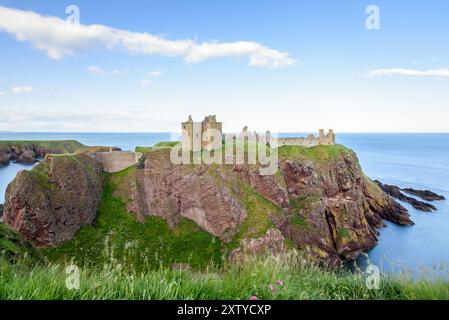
(116, 160)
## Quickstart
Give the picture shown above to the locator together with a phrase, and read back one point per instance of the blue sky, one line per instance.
(278, 65)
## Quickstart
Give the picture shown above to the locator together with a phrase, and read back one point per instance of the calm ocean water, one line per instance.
(419, 161)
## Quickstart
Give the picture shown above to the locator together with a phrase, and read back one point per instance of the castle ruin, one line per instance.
(196, 136)
(309, 141)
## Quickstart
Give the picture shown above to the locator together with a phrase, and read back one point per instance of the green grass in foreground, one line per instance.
(270, 278)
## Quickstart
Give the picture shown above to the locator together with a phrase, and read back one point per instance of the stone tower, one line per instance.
(197, 135)
(187, 134)
(210, 123)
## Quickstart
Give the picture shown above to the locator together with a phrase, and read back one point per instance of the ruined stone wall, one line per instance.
(116, 160)
(309, 141)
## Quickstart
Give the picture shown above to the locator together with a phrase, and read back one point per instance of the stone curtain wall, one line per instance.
(116, 160)
(309, 141)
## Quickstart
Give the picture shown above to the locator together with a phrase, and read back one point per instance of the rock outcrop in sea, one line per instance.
(396, 192)
(424, 194)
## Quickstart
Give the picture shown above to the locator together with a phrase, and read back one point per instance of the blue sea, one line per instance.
(419, 161)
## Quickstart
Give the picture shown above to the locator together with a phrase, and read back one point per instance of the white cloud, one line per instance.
(20, 90)
(145, 83)
(436, 73)
(102, 72)
(2, 93)
(60, 39)
(154, 74)
(96, 70)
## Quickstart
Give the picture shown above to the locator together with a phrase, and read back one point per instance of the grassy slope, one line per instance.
(13, 248)
(258, 210)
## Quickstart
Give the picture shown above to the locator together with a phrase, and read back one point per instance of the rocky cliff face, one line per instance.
(334, 211)
(4, 156)
(50, 203)
(326, 205)
(319, 201)
(200, 193)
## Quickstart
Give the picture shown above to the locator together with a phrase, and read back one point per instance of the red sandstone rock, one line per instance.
(49, 204)
(200, 193)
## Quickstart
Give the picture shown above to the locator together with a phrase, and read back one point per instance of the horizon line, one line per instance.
(283, 132)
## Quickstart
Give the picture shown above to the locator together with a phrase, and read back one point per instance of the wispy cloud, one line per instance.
(2, 93)
(154, 74)
(96, 70)
(20, 90)
(60, 39)
(435, 73)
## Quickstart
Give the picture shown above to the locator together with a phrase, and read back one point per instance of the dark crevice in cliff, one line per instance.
(332, 226)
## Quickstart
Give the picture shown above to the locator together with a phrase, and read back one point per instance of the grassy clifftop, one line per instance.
(318, 153)
(68, 146)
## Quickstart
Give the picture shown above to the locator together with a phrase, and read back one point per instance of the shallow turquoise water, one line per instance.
(419, 161)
